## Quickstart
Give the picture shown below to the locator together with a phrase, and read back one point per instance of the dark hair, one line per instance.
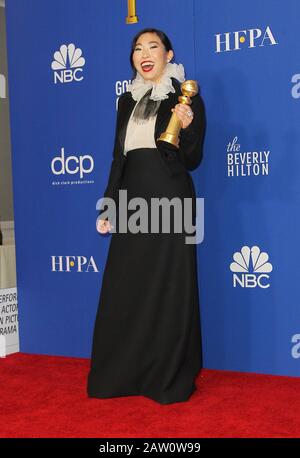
(164, 39)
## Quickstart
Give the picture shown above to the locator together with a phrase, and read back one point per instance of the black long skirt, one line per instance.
(147, 334)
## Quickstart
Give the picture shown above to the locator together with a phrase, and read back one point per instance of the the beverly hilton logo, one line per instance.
(246, 163)
(67, 64)
(250, 268)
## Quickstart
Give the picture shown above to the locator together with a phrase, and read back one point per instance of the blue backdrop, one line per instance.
(67, 66)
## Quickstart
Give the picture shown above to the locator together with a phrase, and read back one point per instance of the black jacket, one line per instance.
(173, 160)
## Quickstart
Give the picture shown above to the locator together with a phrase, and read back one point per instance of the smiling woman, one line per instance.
(147, 337)
(149, 53)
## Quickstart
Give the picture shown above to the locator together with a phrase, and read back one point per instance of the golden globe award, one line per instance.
(189, 88)
(131, 16)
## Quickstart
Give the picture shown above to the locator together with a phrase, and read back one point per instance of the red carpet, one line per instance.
(45, 396)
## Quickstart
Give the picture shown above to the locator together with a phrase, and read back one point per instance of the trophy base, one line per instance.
(169, 138)
(131, 19)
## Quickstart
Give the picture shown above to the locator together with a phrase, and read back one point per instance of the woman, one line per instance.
(147, 338)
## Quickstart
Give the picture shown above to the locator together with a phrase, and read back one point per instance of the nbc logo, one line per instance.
(250, 268)
(67, 64)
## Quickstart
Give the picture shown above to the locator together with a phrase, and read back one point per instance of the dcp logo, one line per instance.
(72, 164)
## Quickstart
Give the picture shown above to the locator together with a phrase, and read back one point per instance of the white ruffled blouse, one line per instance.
(141, 134)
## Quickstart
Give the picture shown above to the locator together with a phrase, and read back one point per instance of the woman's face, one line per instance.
(150, 57)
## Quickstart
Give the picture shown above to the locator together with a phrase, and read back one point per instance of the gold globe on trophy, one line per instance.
(189, 88)
(131, 16)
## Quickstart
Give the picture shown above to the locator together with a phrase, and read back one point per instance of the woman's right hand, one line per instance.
(103, 226)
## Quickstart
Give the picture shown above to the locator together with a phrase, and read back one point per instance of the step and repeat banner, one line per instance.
(67, 65)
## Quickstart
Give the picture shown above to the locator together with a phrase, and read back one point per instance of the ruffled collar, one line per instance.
(138, 87)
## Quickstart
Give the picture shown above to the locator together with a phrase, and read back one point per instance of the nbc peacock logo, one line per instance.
(67, 64)
(250, 268)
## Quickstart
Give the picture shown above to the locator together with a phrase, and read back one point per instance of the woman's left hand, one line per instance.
(182, 111)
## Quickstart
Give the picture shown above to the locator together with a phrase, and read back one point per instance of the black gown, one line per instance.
(147, 334)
